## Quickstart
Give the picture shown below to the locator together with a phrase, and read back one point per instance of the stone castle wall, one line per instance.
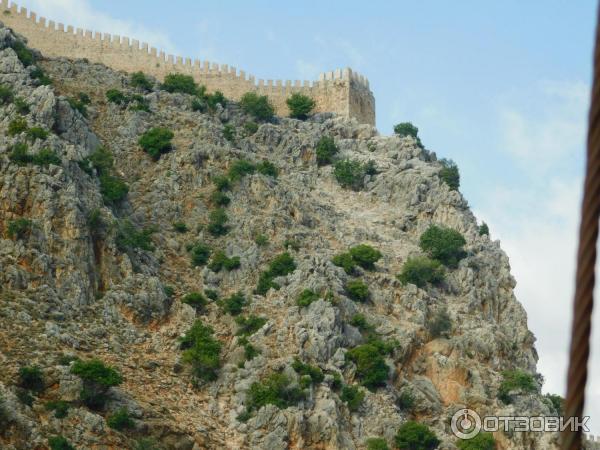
(342, 91)
(591, 442)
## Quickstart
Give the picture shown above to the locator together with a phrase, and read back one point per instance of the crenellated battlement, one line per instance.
(342, 91)
(591, 442)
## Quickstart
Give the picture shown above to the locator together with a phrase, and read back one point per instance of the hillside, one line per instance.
(87, 274)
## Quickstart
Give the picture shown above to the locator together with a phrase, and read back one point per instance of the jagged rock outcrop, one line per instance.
(71, 290)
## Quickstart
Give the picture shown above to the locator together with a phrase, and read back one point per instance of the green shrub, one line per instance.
(17, 126)
(557, 402)
(168, 290)
(45, 157)
(221, 182)
(247, 326)
(261, 240)
(233, 304)
(180, 227)
(6, 94)
(212, 294)
(176, 82)
(250, 352)
(60, 408)
(23, 53)
(31, 378)
(353, 396)
(440, 324)
(21, 105)
(78, 105)
(199, 254)
(371, 368)
(229, 132)
(416, 436)
(276, 389)
(39, 75)
(147, 444)
(306, 298)
(365, 256)
(218, 198)
(349, 174)
(221, 261)
(116, 96)
(421, 270)
(25, 397)
(481, 441)
(484, 229)
(258, 106)
(120, 420)
(100, 159)
(240, 168)
(196, 300)
(217, 222)
(326, 150)
(202, 352)
(129, 237)
(84, 98)
(97, 379)
(449, 174)
(59, 443)
(515, 380)
(19, 154)
(216, 98)
(250, 128)
(198, 105)
(300, 105)
(360, 321)
(443, 244)
(19, 228)
(357, 290)
(345, 261)
(377, 444)
(406, 129)
(267, 168)
(113, 189)
(314, 373)
(34, 133)
(141, 81)
(156, 141)
(291, 243)
(406, 401)
(282, 265)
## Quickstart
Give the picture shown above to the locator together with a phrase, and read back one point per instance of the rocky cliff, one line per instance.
(85, 277)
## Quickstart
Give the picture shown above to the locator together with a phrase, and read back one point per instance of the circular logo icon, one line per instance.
(466, 424)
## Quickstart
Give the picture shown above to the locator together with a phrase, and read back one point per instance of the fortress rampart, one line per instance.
(341, 91)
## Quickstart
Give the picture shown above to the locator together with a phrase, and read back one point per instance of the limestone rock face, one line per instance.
(71, 289)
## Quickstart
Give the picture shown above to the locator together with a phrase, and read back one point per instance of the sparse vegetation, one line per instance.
(180, 227)
(221, 261)
(218, 198)
(482, 441)
(31, 378)
(371, 368)
(258, 106)
(406, 129)
(156, 142)
(221, 182)
(240, 168)
(130, 237)
(19, 228)
(217, 222)
(421, 270)
(60, 408)
(261, 240)
(350, 174)
(484, 229)
(276, 389)
(449, 174)
(300, 106)
(97, 379)
(199, 254)
(116, 96)
(19, 154)
(78, 105)
(229, 132)
(306, 297)
(23, 53)
(6, 94)
(202, 351)
(406, 400)
(196, 300)
(282, 265)
(233, 304)
(345, 261)
(365, 256)
(443, 244)
(416, 436)
(353, 396)
(17, 126)
(439, 324)
(34, 133)
(20, 105)
(59, 443)
(214, 99)
(515, 380)
(141, 81)
(250, 127)
(247, 326)
(176, 82)
(326, 150)
(557, 402)
(357, 290)
(120, 420)
(267, 168)
(113, 188)
(360, 321)
(39, 75)
(377, 444)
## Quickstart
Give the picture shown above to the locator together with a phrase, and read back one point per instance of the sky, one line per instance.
(502, 88)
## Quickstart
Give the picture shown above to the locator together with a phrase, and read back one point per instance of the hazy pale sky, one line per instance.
(500, 87)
